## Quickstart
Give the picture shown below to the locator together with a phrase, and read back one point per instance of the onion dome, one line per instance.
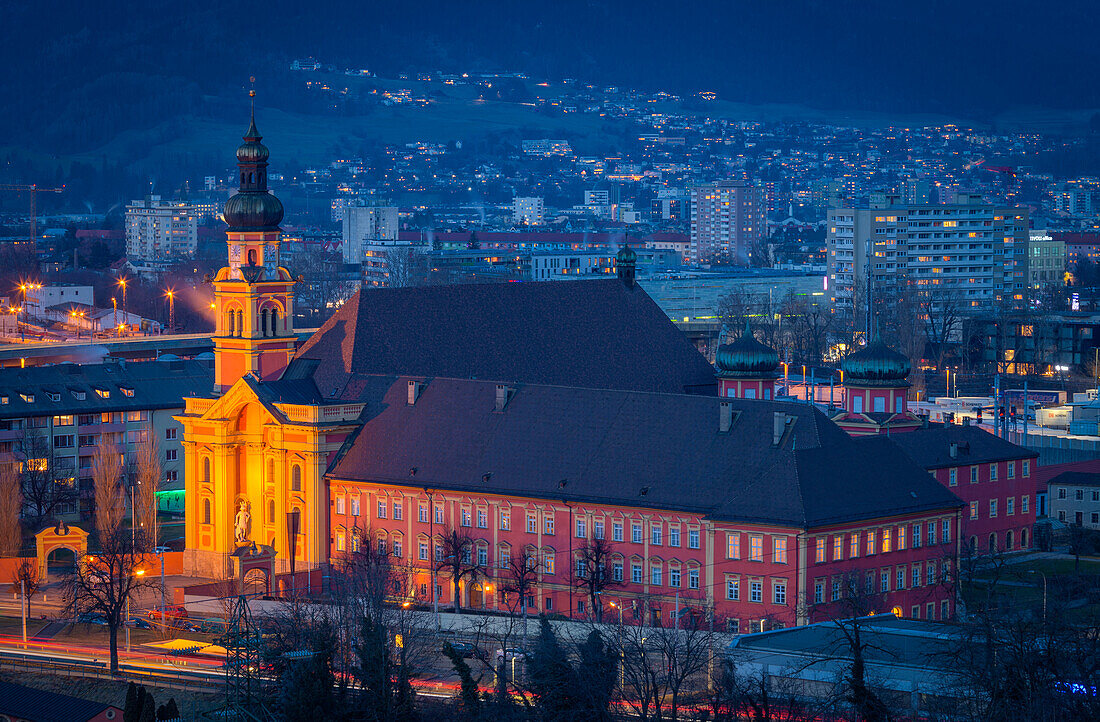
(253, 211)
(747, 358)
(253, 208)
(626, 254)
(876, 365)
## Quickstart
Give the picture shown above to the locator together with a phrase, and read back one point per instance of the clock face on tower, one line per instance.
(234, 256)
(271, 258)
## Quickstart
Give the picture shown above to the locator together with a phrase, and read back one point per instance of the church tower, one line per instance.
(253, 295)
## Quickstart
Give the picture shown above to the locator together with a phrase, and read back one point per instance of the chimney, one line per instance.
(504, 395)
(415, 388)
(780, 421)
(725, 416)
(953, 450)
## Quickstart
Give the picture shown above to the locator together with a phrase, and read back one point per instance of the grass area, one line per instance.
(1052, 568)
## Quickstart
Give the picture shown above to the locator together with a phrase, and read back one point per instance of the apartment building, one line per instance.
(52, 419)
(367, 226)
(528, 211)
(727, 222)
(160, 232)
(969, 247)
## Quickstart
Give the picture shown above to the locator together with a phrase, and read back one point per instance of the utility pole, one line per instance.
(23, 596)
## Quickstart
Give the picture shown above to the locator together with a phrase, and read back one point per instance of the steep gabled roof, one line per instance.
(633, 448)
(28, 703)
(594, 333)
(931, 447)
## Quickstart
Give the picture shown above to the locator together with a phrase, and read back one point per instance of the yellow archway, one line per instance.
(57, 537)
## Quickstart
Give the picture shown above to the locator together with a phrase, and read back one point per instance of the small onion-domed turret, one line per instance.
(625, 261)
(746, 358)
(876, 365)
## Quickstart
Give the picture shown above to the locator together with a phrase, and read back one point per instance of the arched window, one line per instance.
(206, 511)
(274, 322)
(206, 469)
(263, 322)
(240, 323)
(993, 542)
(1023, 538)
(270, 478)
(242, 177)
(250, 177)
(1008, 540)
(252, 256)
(229, 323)
(270, 511)
(296, 478)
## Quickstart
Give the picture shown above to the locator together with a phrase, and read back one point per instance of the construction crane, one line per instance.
(34, 190)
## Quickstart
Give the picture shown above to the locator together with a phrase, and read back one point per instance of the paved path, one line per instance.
(48, 632)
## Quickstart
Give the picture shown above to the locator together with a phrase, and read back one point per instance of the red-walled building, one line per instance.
(757, 509)
(993, 476)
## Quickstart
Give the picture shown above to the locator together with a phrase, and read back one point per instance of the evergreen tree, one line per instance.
(597, 665)
(551, 676)
(147, 710)
(305, 689)
(468, 695)
(130, 709)
(168, 711)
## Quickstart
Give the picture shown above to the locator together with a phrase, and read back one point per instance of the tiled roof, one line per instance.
(80, 388)
(633, 448)
(594, 333)
(1043, 475)
(37, 705)
(1076, 478)
(931, 447)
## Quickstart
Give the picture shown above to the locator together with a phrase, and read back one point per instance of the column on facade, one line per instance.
(192, 504)
(226, 486)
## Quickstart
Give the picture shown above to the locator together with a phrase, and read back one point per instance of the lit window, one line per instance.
(838, 548)
(819, 555)
(756, 548)
(733, 545)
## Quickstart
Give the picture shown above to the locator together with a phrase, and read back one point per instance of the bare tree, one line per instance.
(743, 691)
(521, 578)
(593, 573)
(104, 582)
(459, 562)
(405, 266)
(11, 503)
(109, 498)
(146, 474)
(942, 313)
(26, 580)
(663, 667)
(46, 490)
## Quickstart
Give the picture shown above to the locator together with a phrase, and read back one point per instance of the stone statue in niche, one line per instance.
(241, 522)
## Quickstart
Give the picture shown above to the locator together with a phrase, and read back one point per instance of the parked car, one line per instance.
(89, 618)
(161, 550)
(168, 613)
(467, 650)
(509, 654)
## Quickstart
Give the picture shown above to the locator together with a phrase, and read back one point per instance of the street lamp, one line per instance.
(137, 573)
(122, 285)
(1044, 576)
(171, 310)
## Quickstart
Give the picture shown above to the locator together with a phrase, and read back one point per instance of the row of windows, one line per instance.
(756, 590)
(953, 474)
(1009, 507)
(915, 575)
(756, 547)
(882, 540)
(479, 517)
(1079, 494)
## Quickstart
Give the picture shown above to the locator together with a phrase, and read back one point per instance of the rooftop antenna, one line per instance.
(870, 284)
(252, 97)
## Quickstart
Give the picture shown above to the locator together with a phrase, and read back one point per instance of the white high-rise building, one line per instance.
(528, 211)
(727, 222)
(365, 226)
(160, 232)
(970, 249)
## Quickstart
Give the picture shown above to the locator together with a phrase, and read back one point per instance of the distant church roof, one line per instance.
(597, 334)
